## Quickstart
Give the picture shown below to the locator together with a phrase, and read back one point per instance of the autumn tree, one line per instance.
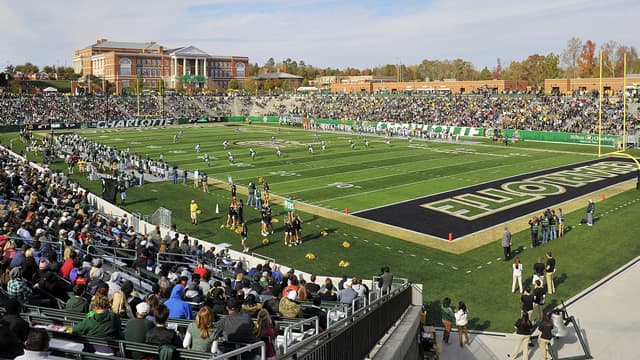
(587, 60)
(570, 56)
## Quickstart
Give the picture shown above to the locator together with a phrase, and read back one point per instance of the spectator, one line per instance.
(237, 326)
(545, 336)
(78, 303)
(387, 279)
(312, 287)
(100, 323)
(316, 310)
(13, 321)
(523, 332)
(11, 346)
(17, 287)
(137, 328)
(288, 305)
(347, 294)
(178, 308)
(447, 318)
(265, 330)
(200, 333)
(37, 346)
(160, 334)
(461, 323)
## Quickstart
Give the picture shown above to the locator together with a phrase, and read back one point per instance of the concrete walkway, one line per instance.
(606, 313)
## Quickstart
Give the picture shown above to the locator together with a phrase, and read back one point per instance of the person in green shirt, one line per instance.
(78, 303)
(100, 323)
(136, 329)
(448, 318)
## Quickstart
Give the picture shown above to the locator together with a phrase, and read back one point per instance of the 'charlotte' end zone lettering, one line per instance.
(471, 206)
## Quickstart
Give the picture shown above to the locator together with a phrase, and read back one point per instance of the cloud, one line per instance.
(331, 33)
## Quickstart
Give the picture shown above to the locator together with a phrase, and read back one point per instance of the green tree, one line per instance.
(27, 69)
(232, 85)
(485, 74)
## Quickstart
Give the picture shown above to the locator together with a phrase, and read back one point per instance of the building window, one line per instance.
(125, 66)
(240, 69)
(125, 84)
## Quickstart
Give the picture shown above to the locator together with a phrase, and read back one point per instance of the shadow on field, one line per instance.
(142, 200)
(317, 234)
(560, 279)
(475, 324)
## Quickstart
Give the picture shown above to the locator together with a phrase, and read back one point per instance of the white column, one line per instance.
(184, 66)
(196, 66)
(205, 69)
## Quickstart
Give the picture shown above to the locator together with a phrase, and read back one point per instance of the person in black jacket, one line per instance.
(523, 333)
(539, 294)
(161, 335)
(316, 310)
(13, 320)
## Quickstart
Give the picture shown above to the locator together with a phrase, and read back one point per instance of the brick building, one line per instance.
(121, 62)
(445, 86)
(568, 86)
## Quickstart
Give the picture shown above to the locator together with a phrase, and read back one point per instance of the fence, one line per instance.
(161, 216)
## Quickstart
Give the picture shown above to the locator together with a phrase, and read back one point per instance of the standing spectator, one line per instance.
(538, 271)
(461, 323)
(506, 243)
(137, 328)
(549, 269)
(447, 318)
(193, 209)
(534, 224)
(527, 302)
(544, 221)
(387, 279)
(523, 332)
(200, 333)
(560, 223)
(539, 294)
(517, 276)
(251, 196)
(544, 338)
(591, 207)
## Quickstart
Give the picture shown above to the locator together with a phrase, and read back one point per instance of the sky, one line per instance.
(324, 33)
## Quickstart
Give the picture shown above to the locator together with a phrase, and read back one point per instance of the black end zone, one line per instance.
(410, 215)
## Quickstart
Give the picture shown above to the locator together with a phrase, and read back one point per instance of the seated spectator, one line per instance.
(10, 344)
(316, 310)
(13, 320)
(328, 291)
(160, 334)
(17, 287)
(137, 328)
(200, 333)
(51, 283)
(194, 293)
(178, 308)
(114, 283)
(101, 323)
(288, 305)
(347, 294)
(37, 346)
(250, 305)
(217, 301)
(237, 326)
(67, 265)
(78, 303)
(312, 287)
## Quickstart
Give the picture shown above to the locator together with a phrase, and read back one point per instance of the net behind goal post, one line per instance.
(161, 216)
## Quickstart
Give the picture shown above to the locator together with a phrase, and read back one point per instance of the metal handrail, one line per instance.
(289, 339)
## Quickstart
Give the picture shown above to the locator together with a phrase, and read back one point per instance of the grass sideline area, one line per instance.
(478, 277)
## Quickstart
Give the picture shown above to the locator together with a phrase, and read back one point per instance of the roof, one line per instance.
(278, 76)
(127, 45)
(188, 51)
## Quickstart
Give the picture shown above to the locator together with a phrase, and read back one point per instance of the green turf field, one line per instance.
(478, 277)
(340, 177)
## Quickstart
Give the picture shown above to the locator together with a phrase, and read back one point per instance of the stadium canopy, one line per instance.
(50, 89)
(307, 89)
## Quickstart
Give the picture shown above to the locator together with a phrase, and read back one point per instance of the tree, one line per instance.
(610, 57)
(27, 69)
(570, 56)
(485, 74)
(232, 85)
(270, 65)
(587, 60)
(633, 64)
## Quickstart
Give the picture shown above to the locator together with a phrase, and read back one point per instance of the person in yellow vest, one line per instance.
(193, 207)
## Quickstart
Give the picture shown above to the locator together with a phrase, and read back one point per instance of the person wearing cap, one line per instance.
(288, 306)
(591, 207)
(347, 294)
(137, 328)
(193, 209)
(237, 326)
(17, 287)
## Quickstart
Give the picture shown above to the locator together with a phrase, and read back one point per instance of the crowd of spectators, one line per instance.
(546, 113)
(49, 224)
